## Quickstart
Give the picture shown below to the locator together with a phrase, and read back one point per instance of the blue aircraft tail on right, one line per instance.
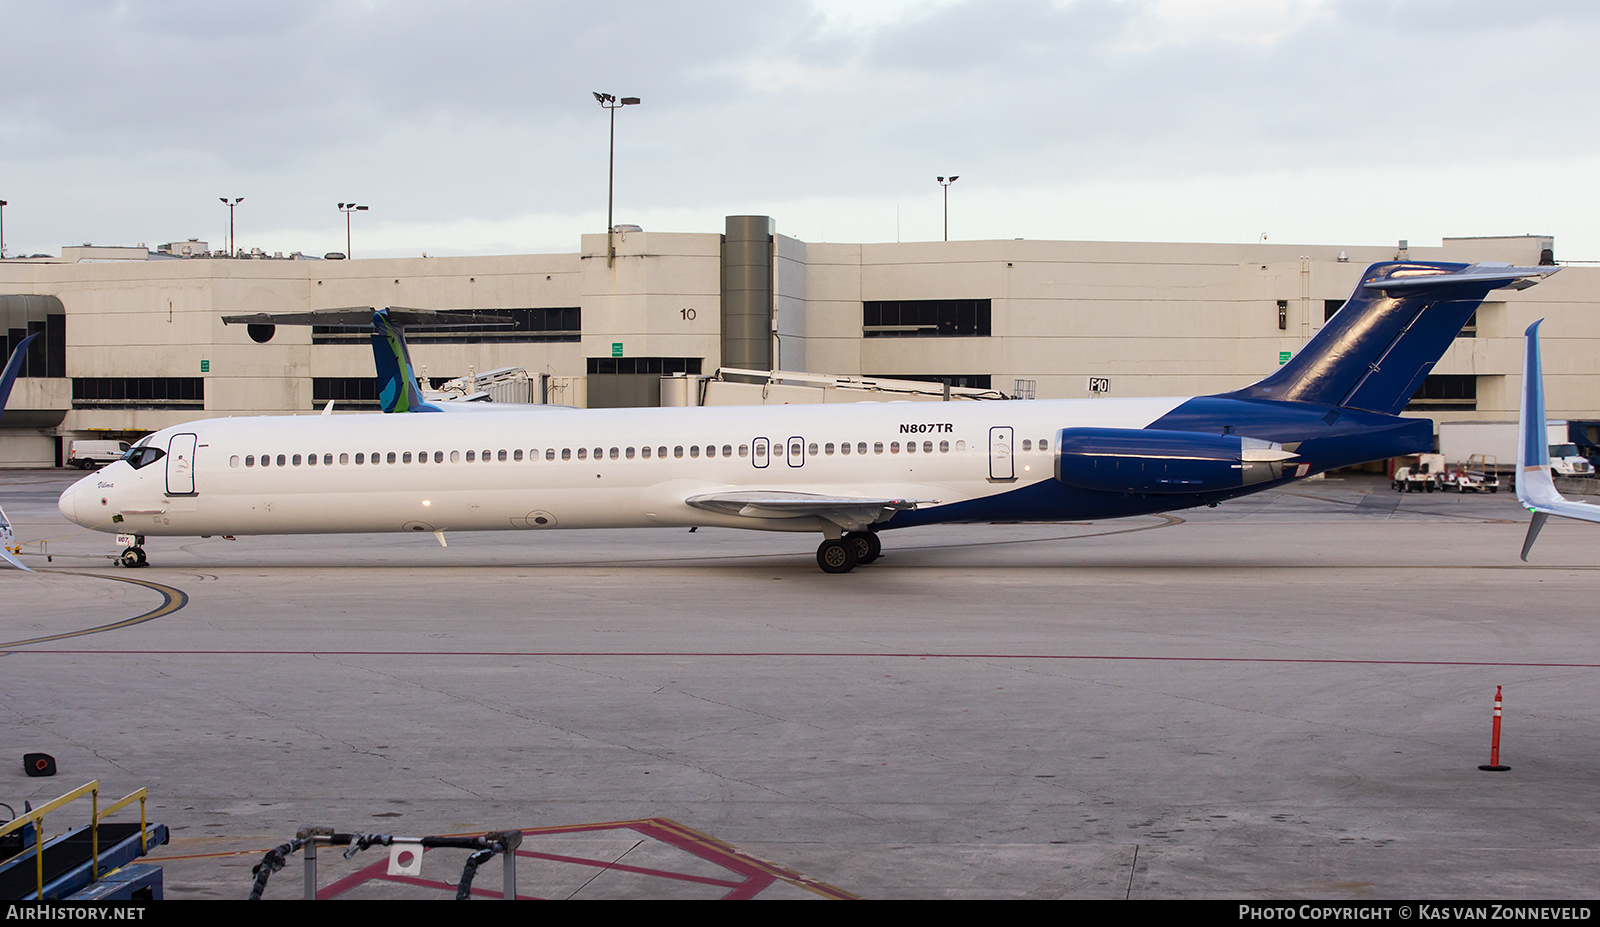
(1536, 489)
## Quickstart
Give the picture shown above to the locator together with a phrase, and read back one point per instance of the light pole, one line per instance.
(946, 184)
(347, 209)
(610, 102)
(230, 204)
(2, 229)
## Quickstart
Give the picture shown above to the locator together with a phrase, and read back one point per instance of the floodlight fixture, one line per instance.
(347, 209)
(610, 102)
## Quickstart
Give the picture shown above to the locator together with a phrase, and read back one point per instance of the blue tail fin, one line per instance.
(1375, 352)
(13, 367)
(1535, 488)
(8, 540)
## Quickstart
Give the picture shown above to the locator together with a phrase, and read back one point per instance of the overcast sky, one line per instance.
(469, 127)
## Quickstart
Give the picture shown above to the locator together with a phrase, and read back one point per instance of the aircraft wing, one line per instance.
(1536, 489)
(848, 512)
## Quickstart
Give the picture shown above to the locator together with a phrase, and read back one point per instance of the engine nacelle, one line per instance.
(1145, 461)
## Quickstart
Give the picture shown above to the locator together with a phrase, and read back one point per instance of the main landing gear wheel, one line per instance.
(133, 558)
(837, 556)
(868, 547)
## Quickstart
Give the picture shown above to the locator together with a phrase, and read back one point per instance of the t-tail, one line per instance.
(8, 538)
(1536, 488)
(398, 390)
(1376, 350)
(1335, 404)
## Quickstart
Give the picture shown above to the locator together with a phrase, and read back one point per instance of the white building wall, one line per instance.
(1154, 318)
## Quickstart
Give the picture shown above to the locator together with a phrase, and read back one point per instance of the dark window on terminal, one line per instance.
(899, 318)
(1330, 306)
(138, 392)
(47, 354)
(632, 382)
(345, 392)
(660, 366)
(1442, 391)
(1283, 315)
(562, 323)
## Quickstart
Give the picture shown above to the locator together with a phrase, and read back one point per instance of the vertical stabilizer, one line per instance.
(1375, 352)
(8, 538)
(1536, 489)
(397, 379)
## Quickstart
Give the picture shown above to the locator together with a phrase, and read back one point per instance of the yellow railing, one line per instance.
(92, 789)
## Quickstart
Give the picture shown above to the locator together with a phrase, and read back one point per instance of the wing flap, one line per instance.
(848, 512)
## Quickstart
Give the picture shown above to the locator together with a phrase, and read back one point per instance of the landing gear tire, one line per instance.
(868, 547)
(133, 558)
(836, 556)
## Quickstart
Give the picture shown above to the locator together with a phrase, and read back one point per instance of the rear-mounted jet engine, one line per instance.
(1147, 461)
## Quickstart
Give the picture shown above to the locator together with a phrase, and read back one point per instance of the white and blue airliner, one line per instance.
(848, 473)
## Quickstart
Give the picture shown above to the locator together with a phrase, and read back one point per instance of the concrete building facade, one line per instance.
(136, 345)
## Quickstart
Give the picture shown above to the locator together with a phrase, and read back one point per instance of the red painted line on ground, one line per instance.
(803, 654)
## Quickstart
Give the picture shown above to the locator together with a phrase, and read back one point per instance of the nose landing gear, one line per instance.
(133, 556)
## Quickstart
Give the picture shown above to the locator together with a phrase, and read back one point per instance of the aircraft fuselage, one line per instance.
(963, 461)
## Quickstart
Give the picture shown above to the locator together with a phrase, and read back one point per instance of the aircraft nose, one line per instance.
(71, 501)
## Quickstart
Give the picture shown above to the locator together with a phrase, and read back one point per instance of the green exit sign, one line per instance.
(205, 366)
(616, 349)
(1283, 357)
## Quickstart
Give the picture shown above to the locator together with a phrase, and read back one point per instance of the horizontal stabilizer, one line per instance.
(1498, 276)
(360, 317)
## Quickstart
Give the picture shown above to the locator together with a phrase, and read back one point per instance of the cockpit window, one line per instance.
(143, 456)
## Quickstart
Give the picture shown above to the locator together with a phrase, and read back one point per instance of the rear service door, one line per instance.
(1001, 464)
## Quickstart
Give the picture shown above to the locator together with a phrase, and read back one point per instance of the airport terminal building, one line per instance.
(133, 341)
